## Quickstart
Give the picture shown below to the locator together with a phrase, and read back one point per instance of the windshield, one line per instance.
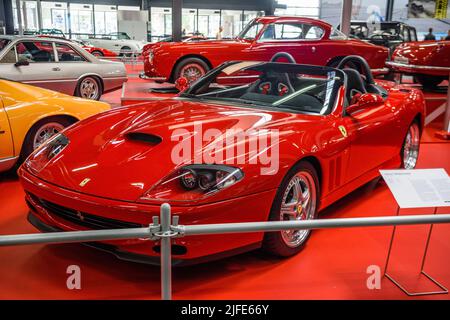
(251, 30)
(4, 43)
(367, 30)
(293, 87)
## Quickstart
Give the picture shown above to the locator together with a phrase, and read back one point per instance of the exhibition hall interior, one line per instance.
(224, 150)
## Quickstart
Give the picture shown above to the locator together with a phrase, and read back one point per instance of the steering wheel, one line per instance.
(359, 61)
(286, 55)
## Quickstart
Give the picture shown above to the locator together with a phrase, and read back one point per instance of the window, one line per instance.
(10, 57)
(55, 16)
(81, 18)
(337, 35)
(291, 31)
(67, 54)
(208, 22)
(313, 32)
(251, 31)
(36, 51)
(4, 43)
(105, 19)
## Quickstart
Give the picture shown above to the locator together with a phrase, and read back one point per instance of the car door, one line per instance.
(6, 141)
(376, 136)
(40, 68)
(71, 64)
(298, 39)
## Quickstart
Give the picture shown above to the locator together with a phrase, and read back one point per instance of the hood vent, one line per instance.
(150, 139)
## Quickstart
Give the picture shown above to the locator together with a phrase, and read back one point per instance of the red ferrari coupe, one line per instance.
(280, 147)
(309, 41)
(428, 61)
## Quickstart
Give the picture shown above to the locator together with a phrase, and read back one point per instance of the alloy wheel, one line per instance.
(298, 203)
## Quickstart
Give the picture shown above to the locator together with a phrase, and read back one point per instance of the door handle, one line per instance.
(313, 49)
(56, 69)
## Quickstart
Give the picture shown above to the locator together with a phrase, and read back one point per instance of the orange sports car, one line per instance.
(30, 115)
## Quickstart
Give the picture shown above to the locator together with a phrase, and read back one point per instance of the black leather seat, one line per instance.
(355, 83)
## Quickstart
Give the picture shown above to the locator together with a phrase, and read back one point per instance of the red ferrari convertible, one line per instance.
(280, 147)
(428, 61)
(309, 41)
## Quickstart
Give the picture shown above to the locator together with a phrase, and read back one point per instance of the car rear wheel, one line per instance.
(97, 53)
(125, 52)
(427, 81)
(89, 88)
(297, 199)
(410, 148)
(40, 132)
(191, 69)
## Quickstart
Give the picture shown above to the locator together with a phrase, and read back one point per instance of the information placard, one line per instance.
(420, 188)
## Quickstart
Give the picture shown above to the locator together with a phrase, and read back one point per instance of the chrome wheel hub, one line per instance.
(298, 203)
(411, 147)
(89, 89)
(192, 72)
(45, 132)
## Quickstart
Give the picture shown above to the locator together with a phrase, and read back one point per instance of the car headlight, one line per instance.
(150, 57)
(194, 182)
(39, 159)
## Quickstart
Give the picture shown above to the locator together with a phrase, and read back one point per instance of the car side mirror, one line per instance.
(22, 62)
(365, 101)
(182, 84)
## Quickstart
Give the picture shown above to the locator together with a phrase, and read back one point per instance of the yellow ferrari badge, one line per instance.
(343, 131)
(84, 182)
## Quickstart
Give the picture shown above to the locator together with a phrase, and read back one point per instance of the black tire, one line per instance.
(199, 63)
(98, 83)
(427, 81)
(28, 142)
(97, 53)
(125, 52)
(273, 242)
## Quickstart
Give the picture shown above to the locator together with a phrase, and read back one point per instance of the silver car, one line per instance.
(59, 65)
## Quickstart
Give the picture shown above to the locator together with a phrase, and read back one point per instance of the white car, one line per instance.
(118, 42)
(60, 65)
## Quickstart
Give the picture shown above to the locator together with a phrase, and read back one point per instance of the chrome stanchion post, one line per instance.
(166, 259)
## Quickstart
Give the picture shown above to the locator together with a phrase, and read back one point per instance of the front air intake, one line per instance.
(144, 138)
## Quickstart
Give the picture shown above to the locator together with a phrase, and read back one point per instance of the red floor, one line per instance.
(332, 266)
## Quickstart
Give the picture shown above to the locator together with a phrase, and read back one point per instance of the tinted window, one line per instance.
(291, 31)
(36, 51)
(4, 43)
(10, 57)
(67, 54)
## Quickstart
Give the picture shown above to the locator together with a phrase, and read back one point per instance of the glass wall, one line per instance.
(29, 15)
(189, 21)
(208, 22)
(81, 19)
(232, 23)
(54, 16)
(308, 8)
(105, 19)
(440, 27)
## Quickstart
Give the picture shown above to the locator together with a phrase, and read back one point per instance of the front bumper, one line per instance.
(195, 248)
(413, 69)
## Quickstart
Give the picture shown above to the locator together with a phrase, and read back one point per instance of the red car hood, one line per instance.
(101, 148)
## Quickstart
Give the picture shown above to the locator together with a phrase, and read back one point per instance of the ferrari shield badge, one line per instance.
(84, 182)
(343, 131)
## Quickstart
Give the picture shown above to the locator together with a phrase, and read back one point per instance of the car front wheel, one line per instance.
(41, 132)
(296, 199)
(191, 69)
